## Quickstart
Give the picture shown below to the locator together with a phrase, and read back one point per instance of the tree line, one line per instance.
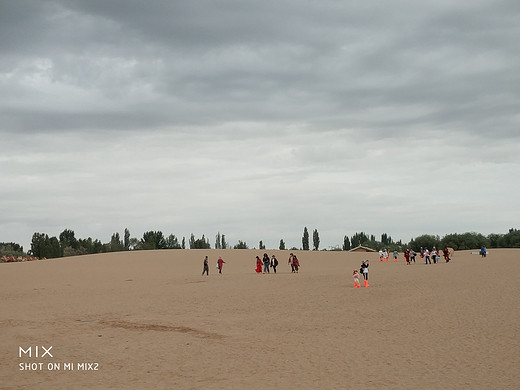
(66, 244)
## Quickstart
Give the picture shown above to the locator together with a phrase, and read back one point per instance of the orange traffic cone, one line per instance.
(395, 261)
(366, 283)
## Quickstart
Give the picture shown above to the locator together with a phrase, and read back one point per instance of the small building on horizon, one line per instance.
(361, 248)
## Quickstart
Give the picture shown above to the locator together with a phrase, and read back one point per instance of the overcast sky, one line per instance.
(256, 119)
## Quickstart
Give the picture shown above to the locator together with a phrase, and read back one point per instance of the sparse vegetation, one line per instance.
(43, 246)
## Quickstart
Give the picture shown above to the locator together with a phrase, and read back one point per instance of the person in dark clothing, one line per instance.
(274, 263)
(364, 271)
(206, 266)
(267, 262)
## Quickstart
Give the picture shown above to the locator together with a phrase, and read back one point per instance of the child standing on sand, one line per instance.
(355, 275)
(364, 271)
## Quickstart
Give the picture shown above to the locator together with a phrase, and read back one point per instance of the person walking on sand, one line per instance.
(355, 275)
(364, 271)
(258, 265)
(427, 256)
(267, 262)
(274, 263)
(407, 256)
(446, 254)
(291, 262)
(412, 256)
(483, 252)
(220, 264)
(296, 263)
(206, 266)
(396, 254)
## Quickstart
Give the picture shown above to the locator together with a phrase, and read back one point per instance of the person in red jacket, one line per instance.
(220, 263)
(259, 264)
(296, 263)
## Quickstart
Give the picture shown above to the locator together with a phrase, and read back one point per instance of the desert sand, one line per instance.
(149, 320)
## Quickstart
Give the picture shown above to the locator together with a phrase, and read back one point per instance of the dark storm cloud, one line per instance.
(214, 62)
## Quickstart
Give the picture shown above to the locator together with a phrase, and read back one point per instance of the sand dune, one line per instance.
(149, 320)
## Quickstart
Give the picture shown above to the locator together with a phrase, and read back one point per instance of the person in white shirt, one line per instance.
(433, 255)
(427, 256)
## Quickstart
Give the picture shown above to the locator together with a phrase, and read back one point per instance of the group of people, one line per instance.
(410, 254)
(262, 265)
(384, 255)
(434, 255)
(266, 263)
(220, 264)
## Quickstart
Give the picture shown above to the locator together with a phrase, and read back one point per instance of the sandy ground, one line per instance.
(149, 320)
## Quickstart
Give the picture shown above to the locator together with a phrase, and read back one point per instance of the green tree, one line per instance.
(425, 241)
(200, 243)
(493, 240)
(346, 244)
(98, 246)
(282, 245)
(86, 244)
(224, 244)
(126, 242)
(54, 248)
(315, 239)
(511, 239)
(218, 242)
(305, 239)
(241, 245)
(153, 240)
(386, 240)
(10, 249)
(116, 245)
(67, 239)
(359, 239)
(135, 244)
(172, 242)
(69, 251)
(38, 244)
(469, 240)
